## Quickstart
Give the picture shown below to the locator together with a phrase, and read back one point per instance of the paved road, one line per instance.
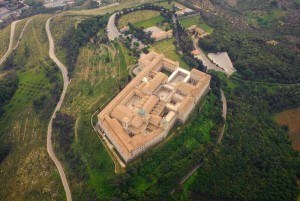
(224, 114)
(112, 31)
(49, 132)
(11, 41)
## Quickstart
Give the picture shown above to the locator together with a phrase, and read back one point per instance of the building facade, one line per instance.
(158, 34)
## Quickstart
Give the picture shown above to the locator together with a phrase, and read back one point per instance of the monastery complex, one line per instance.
(143, 113)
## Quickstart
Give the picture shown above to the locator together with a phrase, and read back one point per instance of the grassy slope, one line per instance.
(25, 129)
(137, 16)
(4, 40)
(196, 20)
(130, 60)
(93, 83)
(167, 47)
(18, 30)
(150, 22)
(165, 4)
(59, 26)
(266, 19)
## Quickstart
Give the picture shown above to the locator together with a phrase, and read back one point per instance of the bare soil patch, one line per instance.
(291, 118)
(232, 2)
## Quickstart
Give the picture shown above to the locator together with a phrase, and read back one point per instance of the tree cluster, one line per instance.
(185, 44)
(64, 123)
(253, 58)
(255, 160)
(77, 37)
(8, 86)
(140, 34)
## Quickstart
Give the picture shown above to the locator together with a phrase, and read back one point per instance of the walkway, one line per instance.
(49, 132)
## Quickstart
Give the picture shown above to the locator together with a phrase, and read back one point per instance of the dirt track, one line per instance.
(22, 33)
(11, 41)
(224, 114)
(49, 132)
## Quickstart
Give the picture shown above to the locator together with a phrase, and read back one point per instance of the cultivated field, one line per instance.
(291, 118)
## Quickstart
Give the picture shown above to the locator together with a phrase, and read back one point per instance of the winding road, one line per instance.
(112, 31)
(11, 41)
(49, 132)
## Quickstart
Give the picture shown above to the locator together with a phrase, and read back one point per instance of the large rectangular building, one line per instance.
(143, 113)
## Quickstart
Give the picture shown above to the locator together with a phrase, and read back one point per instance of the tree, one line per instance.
(136, 44)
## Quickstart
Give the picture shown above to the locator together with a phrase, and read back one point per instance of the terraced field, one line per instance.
(167, 47)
